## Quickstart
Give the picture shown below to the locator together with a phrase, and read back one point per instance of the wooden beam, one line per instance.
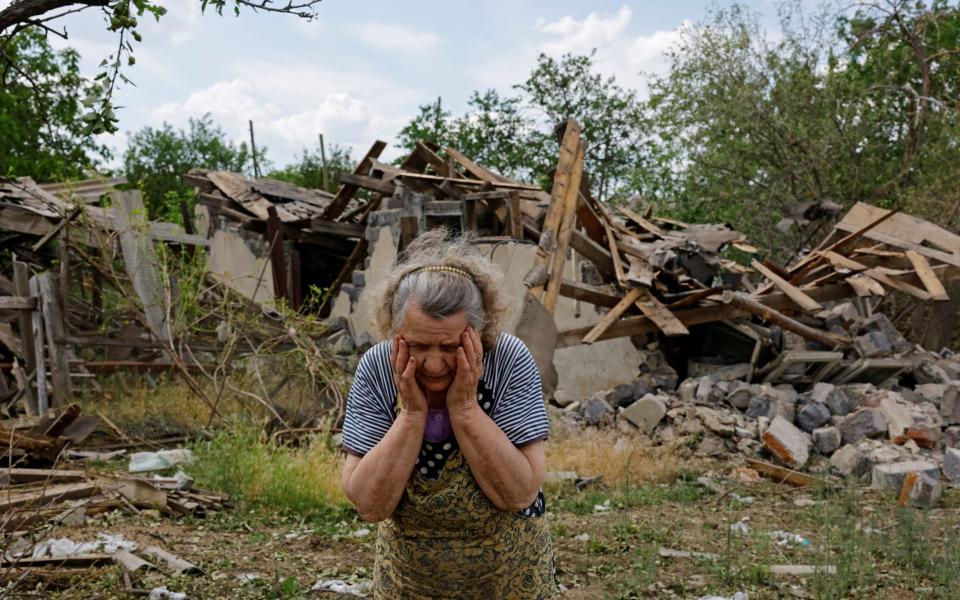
(38, 333)
(660, 315)
(927, 276)
(892, 282)
(865, 287)
(567, 223)
(368, 183)
(570, 157)
(56, 348)
(769, 314)
(642, 222)
(608, 319)
(278, 260)
(17, 303)
(801, 299)
(588, 293)
(347, 190)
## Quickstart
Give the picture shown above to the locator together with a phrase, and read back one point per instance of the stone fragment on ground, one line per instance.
(827, 439)
(920, 490)
(812, 415)
(864, 423)
(646, 413)
(890, 476)
(786, 442)
(850, 461)
(951, 464)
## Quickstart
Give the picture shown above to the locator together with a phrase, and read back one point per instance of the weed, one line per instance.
(300, 482)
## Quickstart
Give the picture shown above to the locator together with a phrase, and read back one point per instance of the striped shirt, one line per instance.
(509, 373)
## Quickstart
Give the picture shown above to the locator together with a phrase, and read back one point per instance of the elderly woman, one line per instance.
(444, 435)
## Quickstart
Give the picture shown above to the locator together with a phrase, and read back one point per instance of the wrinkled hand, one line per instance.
(462, 395)
(404, 377)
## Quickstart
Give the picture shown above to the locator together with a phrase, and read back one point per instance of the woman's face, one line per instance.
(433, 344)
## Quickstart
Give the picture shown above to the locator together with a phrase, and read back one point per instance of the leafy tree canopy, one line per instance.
(307, 171)
(42, 130)
(156, 159)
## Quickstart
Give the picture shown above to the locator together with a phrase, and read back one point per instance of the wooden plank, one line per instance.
(20, 221)
(570, 157)
(474, 169)
(891, 282)
(640, 271)
(769, 314)
(48, 494)
(801, 299)
(21, 282)
(781, 474)
(347, 190)
(660, 314)
(39, 334)
(642, 222)
(927, 276)
(608, 319)
(614, 254)
(588, 293)
(567, 223)
(909, 231)
(433, 159)
(514, 224)
(368, 183)
(337, 228)
(840, 261)
(358, 254)
(26, 303)
(57, 350)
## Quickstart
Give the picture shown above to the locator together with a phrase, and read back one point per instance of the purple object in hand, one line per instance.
(438, 426)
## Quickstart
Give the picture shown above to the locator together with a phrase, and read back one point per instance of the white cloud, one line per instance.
(629, 58)
(397, 38)
(230, 103)
(582, 36)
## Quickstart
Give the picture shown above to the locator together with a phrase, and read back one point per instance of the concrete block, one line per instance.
(834, 397)
(872, 344)
(928, 372)
(950, 403)
(812, 415)
(920, 490)
(790, 445)
(864, 423)
(594, 409)
(646, 413)
(827, 440)
(898, 414)
(890, 476)
(951, 464)
(719, 424)
(739, 394)
(880, 323)
(850, 461)
(951, 437)
(688, 390)
(860, 394)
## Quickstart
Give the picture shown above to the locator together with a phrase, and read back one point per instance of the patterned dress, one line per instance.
(446, 539)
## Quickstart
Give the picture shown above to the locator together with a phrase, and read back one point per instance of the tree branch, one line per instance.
(22, 11)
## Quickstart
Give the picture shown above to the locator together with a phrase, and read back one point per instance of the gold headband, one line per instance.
(444, 269)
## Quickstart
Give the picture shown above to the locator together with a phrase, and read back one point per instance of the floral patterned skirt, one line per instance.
(447, 540)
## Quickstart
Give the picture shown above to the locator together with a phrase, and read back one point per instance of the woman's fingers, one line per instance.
(394, 353)
(477, 345)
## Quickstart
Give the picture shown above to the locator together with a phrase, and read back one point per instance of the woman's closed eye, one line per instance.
(416, 347)
(449, 347)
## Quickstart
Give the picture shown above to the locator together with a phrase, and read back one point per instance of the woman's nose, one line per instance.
(433, 363)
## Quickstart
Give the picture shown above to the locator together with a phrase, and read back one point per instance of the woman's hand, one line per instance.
(462, 395)
(404, 377)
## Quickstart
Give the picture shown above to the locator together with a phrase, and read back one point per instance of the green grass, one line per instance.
(301, 482)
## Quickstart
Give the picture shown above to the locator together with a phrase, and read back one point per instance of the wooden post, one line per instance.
(323, 165)
(514, 216)
(38, 333)
(56, 344)
(253, 152)
(296, 297)
(21, 283)
(568, 222)
(277, 260)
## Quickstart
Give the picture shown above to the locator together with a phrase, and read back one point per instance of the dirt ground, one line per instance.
(608, 546)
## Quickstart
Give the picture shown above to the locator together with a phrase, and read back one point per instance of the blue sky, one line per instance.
(361, 69)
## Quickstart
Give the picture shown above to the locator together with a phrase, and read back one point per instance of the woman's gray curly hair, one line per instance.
(441, 293)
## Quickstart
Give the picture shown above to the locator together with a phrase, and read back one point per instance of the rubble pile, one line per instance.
(898, 432)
